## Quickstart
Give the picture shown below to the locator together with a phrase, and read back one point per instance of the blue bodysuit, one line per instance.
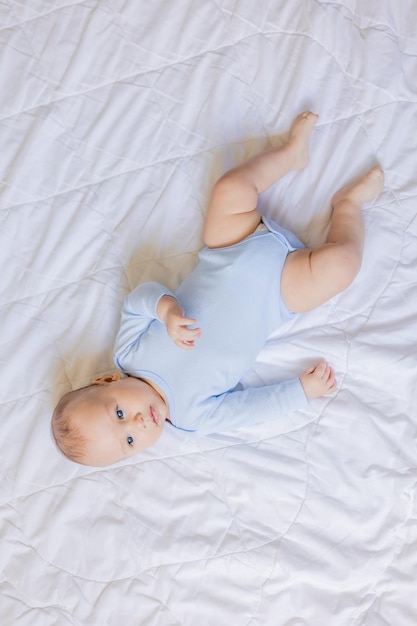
(234, 294)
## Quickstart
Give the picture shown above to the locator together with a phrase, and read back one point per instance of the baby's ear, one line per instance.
(109, 378)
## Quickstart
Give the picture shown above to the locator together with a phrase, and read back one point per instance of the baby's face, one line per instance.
(119, 419)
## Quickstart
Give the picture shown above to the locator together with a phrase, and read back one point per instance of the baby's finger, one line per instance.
(332, 379)
(185, 337)
(189, 334)
(321, 368)
(188, 321)
(185, 345)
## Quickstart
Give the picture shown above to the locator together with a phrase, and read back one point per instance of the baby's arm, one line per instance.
(139, 310)
(171, 313)
(276, 402)
(146, 303)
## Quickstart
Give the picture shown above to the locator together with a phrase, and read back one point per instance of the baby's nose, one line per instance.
(138, 417)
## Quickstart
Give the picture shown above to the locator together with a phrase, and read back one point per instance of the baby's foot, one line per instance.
(299, 137)
(365, 190)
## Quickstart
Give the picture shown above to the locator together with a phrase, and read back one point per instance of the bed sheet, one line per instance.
(116, 118)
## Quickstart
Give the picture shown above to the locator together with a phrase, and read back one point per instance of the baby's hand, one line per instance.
(172, 314)
(318, 380)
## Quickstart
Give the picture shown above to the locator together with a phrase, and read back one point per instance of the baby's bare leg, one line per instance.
(232, 214)
(311, 277)
(264, 169)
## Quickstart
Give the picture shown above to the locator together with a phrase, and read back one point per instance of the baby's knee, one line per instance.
(227, 184)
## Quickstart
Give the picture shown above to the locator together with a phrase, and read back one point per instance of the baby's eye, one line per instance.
(120, 414)
(130, 441)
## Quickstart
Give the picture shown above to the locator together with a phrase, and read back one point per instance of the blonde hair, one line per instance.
(68, 437)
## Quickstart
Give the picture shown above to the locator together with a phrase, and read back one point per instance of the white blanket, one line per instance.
(116, 118)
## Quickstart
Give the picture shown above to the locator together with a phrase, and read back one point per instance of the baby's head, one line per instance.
(110, 420)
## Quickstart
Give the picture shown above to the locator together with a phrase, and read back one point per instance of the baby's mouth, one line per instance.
(154, 416)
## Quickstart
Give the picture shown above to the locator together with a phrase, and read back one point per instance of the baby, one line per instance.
(183, 354)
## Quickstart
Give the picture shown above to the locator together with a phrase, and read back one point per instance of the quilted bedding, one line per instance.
(116, 118)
